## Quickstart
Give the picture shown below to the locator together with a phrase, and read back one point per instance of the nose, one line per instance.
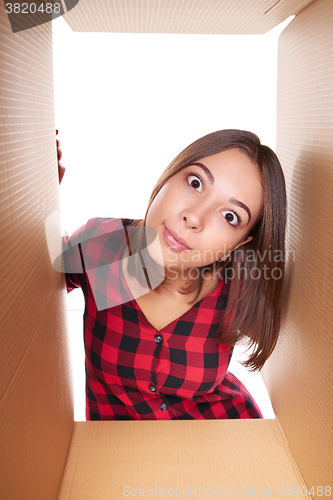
(194, 216)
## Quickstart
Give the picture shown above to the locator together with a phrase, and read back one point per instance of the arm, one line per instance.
(73, 259)
(61, 169)
(70, 260)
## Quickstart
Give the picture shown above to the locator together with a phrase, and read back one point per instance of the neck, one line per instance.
(177, 279)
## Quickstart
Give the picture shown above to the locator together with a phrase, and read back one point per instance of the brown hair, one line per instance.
(255, 306)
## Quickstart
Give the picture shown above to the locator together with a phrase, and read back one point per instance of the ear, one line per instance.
(250, 238)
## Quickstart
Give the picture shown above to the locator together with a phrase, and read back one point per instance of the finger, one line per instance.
(61, 172)
(57, 132)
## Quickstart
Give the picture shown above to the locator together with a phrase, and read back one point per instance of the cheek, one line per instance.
(155, 209)
(163, 204)
(220, 242)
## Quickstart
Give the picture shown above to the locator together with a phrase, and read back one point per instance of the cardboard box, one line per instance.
(46, 455)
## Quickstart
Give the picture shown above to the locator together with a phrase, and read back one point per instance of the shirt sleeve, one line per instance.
(89, 252)
(72, 258)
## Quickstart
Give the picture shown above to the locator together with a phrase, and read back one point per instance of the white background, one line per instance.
(127, 104)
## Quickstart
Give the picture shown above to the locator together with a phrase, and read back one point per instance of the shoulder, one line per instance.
(98, 226)
(103, 239)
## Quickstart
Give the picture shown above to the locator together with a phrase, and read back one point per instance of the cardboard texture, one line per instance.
(299, 373)
(36, 400)
(181, 454)
(45, 455)
(197, 16)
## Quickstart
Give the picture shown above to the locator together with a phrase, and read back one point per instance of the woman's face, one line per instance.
(210, 206)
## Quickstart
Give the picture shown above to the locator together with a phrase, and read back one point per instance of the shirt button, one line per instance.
(164, 407)
(158, 338)
(152, 388)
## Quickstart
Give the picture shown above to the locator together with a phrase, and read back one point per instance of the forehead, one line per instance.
(232, 160)
(230, 168)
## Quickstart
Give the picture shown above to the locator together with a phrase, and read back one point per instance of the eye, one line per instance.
(231, 217)
(195, 182)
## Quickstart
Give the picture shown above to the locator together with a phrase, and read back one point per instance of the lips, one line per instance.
(175, 241)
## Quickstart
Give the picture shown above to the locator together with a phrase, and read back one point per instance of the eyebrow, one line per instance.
(242, 205)
(232, 200)
(207, 171)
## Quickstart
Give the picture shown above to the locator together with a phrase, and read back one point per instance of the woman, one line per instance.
(218, 212)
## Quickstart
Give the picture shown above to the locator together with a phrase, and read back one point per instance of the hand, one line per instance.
(61, 169)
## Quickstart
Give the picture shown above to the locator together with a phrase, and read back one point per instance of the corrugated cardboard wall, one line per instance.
(36, 415)
(35, 438)
(299, 373)
(244, 17)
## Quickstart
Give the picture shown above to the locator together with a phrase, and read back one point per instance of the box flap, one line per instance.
(299, 373)
(222, 457)
(35, 396)
(174, 16)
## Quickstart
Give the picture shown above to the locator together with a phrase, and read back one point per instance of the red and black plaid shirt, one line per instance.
(134, 371)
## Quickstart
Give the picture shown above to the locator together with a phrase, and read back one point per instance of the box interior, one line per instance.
(44, 451)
